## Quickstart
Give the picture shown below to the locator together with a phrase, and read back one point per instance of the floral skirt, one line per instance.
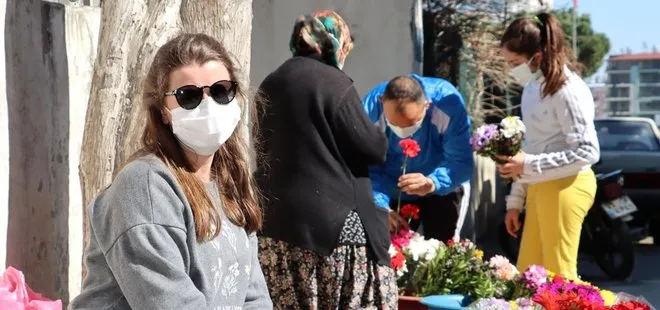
(347, 279)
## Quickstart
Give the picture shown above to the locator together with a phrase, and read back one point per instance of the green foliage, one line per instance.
(591, 46)
(457, 269)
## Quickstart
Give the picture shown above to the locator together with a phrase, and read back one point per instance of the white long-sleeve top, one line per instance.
(561, 138)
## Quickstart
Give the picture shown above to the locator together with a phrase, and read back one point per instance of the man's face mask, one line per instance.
(405, 132)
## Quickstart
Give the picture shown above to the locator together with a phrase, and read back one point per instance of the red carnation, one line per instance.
(410, 147)
(630, 305)
(399, 259)
(410, 211)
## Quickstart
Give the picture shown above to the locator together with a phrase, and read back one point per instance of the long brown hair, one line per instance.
(527, 36)
(238, 192)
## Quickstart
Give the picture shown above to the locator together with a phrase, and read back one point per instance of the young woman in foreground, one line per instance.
(555, 182)
(176, 228)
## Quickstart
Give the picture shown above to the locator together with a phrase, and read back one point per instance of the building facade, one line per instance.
(634, 85)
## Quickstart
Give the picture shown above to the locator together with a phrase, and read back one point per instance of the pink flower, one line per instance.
(402, 238)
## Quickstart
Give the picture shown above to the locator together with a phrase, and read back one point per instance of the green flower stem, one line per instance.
(398, 204)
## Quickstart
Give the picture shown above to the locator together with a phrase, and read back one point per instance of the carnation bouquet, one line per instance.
(503, 139)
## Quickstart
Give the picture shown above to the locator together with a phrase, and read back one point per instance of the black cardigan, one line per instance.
(316, 143)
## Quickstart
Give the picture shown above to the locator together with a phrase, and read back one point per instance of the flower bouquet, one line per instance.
(503, 139)
(538, 288)
(408, 251)
(426, 267)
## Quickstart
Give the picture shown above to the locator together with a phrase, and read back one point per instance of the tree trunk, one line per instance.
(131, 32)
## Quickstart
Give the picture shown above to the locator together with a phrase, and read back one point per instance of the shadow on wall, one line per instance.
(37, 100)
(486, 211)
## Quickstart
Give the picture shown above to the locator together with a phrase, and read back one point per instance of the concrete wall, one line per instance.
(382, 31)
(48, 81)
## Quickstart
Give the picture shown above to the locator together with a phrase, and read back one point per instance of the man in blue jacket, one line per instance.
(432, 112)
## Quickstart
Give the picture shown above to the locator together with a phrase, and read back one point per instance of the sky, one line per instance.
(627, 23)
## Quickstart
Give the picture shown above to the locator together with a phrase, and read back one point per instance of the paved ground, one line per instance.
(645, 280)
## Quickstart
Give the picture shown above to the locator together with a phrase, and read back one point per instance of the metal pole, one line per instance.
(575, 51)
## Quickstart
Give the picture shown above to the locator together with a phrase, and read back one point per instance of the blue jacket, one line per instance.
(444, 138)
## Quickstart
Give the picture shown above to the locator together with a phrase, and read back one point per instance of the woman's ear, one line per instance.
(538, 58)
(167, 115)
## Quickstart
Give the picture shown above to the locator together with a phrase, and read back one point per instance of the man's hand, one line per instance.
(512, 222)
(416, 184)
(397, 220)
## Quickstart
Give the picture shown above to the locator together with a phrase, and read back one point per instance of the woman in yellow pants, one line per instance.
(554, 180)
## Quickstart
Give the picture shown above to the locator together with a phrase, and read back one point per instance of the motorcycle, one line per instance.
(606, 237)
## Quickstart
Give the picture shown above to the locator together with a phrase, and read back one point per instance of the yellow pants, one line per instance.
(555, 211)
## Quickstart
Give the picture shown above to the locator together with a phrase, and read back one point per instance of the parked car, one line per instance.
(632, 144)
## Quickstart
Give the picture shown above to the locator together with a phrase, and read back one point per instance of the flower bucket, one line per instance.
(445, 302)
(411, 303)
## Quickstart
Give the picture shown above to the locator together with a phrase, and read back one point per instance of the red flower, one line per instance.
(558, 279)
(410, 211)
(547, 300)
(630, 305)
(410, 147)
(450, 242)
(399, 259)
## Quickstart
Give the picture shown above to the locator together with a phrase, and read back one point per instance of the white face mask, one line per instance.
(405, 132)
(524, 74)
(208, 126)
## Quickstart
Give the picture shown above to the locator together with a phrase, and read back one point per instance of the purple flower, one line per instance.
(534, 276)
(584, 291)
(482, 137)
(492, 303)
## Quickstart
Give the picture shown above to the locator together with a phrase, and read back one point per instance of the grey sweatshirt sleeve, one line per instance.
(140, 228)
(257, 295)
(148, 265)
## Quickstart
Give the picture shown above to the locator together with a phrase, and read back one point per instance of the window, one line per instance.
(649, 91)
(649, 77)
(650, 105)
(619, 92)
(619, 106)
(622, 135)
(619, 78)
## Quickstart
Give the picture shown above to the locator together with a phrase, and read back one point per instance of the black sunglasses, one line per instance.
(189, 96)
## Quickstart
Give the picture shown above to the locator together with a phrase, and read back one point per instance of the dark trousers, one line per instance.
(438, 214)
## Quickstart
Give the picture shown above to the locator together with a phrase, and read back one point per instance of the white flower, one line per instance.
(392, 251)
(401, 272)
(420, 248)
(512, 126)
(498, 261)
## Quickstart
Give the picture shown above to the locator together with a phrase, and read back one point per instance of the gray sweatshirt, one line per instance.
(143, 252)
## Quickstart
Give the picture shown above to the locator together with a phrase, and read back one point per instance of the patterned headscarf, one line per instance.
(322, 33)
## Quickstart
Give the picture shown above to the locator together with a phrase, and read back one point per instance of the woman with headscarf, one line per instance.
(324, 243)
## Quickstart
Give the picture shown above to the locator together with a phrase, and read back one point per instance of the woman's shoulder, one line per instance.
(143, 192)
(575, 89)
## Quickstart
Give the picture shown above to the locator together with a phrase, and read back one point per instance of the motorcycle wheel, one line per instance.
(654, 230)
(616, 250)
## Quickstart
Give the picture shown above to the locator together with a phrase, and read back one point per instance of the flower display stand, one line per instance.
(436, 302)
(446, 302)
(411, 303)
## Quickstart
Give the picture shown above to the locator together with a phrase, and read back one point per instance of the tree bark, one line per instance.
(131, 32)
